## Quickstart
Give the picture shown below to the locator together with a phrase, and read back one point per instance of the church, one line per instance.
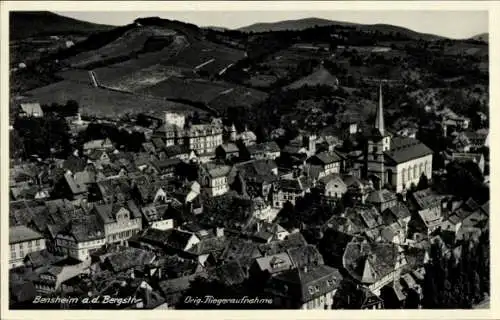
(393, 160)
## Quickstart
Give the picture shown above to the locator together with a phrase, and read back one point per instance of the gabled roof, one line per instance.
(275, 263)
(129, 258)
(380, 196)
(305, 256)
(32, 108)
(229, 148)
(405, 149)
(305, 285)
(175, 150)
(22, 233)
(400, 211)
(231, 273)
(264, 147)
(75, 187)
(327, 157)
(370, 262)
(217, 171)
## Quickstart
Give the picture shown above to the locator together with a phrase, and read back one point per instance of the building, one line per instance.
(214, 178)
(31, 110)
(374, 265)
(120, 222)
(200, 138)
(78, 239)
(329, 162)
(227, 151)
(265, 150)
(306, 288)
(477, 158)
(23, 240)
(397, 162)
(332, 186)
(99, 145)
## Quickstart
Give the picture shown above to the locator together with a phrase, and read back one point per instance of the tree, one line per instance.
(423, 183)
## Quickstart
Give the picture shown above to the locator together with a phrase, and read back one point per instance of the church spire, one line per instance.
(379, 120)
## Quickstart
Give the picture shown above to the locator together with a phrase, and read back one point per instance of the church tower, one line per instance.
(378, 143)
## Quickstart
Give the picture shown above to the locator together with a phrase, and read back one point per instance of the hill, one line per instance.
(295, 25)
(303, 24)
(319, 77)
(481, 37)
(25, 24)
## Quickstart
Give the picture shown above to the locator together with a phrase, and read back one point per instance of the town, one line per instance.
(162, 210)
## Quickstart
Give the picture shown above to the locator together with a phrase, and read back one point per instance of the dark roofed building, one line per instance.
(305, 288)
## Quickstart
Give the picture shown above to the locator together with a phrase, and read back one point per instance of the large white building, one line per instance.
(396, 161)
(201, 138)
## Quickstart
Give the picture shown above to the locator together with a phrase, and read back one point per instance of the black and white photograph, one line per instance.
(245, 160)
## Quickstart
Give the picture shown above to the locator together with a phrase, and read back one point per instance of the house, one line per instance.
(227, 151)
(171, 241)
(265, 150)
(98, 157)
(213, 178)
(305, 288)
(332, 186)
(174, 289)
(102, 145)
(398, 213)
(264, 267)
(477, 158)
(22, 241)
(329, 162)
(78, 239)
(381, 199)
(68, 188)
(478, 139)
(429, 211)
(158, 217)
(114, 190)
(373, 264)
(180, 151)
(289, 190)
(255, 178)
(128, 259)
(165, 168)
(120, 222)
(50, 280)
(32, 109)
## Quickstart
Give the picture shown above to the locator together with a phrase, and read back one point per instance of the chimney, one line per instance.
(258, 226)
(305, 269)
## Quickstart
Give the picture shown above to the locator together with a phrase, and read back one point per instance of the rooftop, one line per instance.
(22, 233)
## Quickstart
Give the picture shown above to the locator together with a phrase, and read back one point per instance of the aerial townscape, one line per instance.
(303, 164)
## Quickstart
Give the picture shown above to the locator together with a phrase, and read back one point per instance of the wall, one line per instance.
(18, 251)
(403, 182)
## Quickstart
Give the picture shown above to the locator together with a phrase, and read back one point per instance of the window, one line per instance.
(21, 246)
(13, 255)
(37, 242)
(21, 254)
(12, 248)
(30, 243)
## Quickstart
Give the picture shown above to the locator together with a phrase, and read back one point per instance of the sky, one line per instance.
(451, 24)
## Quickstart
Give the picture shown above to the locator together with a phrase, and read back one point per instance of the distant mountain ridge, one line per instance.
(302, 24)
(25, 24)
(481, 37)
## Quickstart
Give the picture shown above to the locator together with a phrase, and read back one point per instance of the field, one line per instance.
(186, 89)
(144, 78)
(319, 77)
(238, 97)
(130, 42)
(104, 103)
(205, 56)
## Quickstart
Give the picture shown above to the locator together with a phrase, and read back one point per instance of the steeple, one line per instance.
(379, 120)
